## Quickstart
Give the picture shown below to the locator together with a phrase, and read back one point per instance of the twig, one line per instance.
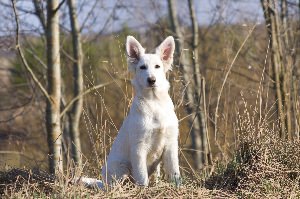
(24, 61)
(37, 58)
(81, 95)
(226, 76)
(194, 172)
(39, 13)
(59, 5)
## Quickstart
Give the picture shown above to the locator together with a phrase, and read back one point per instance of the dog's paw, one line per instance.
(89, 182)
(142, 183)
(176, 179)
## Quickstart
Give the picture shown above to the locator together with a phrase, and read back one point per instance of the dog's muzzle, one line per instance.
(151, 81)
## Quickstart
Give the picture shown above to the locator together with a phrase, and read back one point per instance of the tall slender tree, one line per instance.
(200, 142)
(191, 76)
(281, 61)
(54, 132)
(184, 61)
(76, 110)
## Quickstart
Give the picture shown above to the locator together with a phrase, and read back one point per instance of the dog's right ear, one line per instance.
(134, 50)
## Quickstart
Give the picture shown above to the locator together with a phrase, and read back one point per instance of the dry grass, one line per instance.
(19, 183)
(268, 168)
(264, 166)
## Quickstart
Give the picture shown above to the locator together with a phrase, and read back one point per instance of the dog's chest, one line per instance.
(157, 114)
(158, 118)
(153, 119)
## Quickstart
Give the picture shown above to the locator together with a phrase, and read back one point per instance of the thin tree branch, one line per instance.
(37, 58)
(59, 5)
(88, 15)
(68, 106)
(20, 8)
(23, 59)
(226, 76)
(39, 13)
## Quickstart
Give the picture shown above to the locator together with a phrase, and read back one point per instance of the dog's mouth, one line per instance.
(152, 86)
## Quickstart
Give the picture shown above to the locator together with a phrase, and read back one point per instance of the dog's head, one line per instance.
(150, 69)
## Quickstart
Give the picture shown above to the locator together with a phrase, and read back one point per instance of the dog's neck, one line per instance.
(153, 94)
(159, 94)
(152, 102)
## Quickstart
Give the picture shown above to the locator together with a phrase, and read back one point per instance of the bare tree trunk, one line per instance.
(281, 62)
(184, 62)
(200, 138)
(296, 78)
(54, 88)
(288, 66)
(186, 71)
(78, 85)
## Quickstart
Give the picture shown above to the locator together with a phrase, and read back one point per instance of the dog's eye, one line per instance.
(143, 67)
(157, 66)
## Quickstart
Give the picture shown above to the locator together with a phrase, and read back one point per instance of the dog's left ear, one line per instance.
(165, 51)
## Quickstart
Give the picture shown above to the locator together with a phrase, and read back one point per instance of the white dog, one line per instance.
(149, 134)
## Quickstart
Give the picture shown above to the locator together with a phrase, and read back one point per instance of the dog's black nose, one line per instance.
(151, 80)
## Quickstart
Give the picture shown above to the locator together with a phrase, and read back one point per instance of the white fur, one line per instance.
(149, 134)
(89, 182)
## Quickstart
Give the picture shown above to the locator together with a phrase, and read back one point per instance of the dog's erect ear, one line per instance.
(134, 49)
(165, 51)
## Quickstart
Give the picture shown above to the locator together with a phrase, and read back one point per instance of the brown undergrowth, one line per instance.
(265, 165)
(19, 183)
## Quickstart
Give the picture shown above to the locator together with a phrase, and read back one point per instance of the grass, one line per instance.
(261, 168)
(263, 165)
(269, 169)
(19, 183)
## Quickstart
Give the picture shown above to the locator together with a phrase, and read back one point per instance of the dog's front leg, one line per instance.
(139, 165)
(171, 162)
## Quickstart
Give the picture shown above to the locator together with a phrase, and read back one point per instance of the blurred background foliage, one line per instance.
(22, 117)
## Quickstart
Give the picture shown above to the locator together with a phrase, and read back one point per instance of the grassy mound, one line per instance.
(265, 165)
(18, 183)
